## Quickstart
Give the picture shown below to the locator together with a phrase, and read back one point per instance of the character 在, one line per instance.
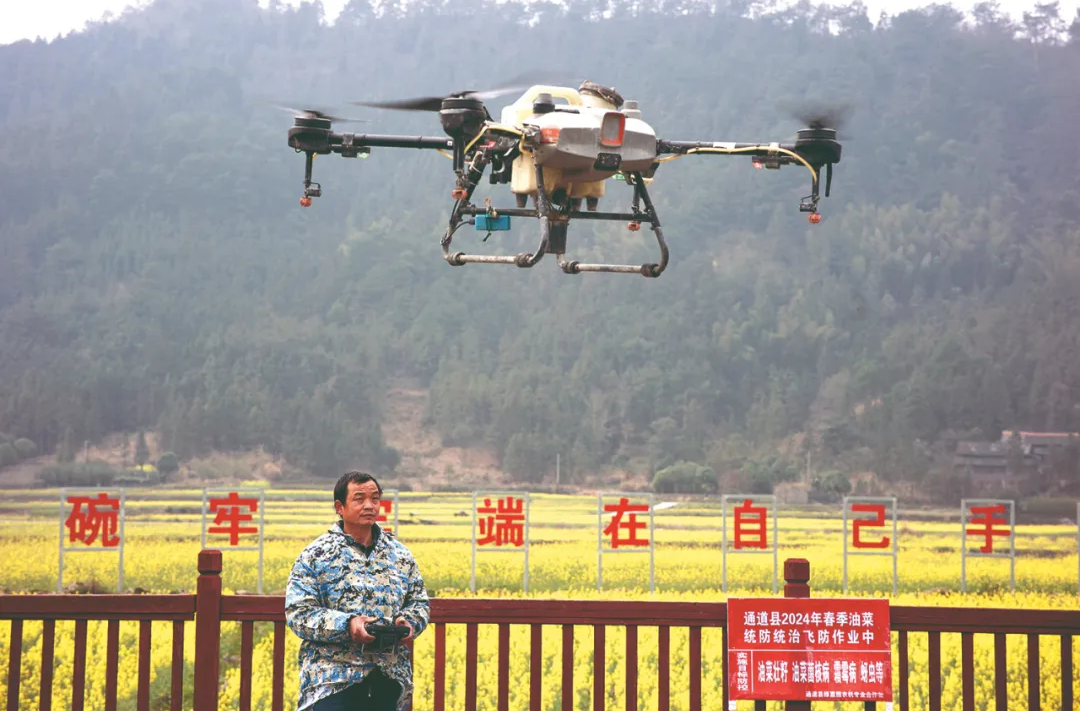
(352, 581)
(631, 525)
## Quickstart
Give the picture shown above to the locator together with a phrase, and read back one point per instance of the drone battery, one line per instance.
(486, 223)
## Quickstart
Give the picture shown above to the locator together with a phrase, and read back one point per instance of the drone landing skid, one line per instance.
(554, 221)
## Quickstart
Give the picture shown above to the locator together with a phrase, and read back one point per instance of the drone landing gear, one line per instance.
(311, 189)
(810, 202)
(555, 215)
(635, 219)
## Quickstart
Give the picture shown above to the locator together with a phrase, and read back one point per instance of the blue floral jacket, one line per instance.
(333, 580)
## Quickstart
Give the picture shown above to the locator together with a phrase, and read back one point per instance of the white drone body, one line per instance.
(584, 141)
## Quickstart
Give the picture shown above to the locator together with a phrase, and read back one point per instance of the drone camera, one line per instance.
(607, 161)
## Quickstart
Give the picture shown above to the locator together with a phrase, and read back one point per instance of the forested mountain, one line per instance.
(157, 272)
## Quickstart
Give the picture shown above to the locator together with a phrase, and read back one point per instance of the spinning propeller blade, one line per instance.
(425, 103)
(317, 113)
(434, 103)
(818, 115)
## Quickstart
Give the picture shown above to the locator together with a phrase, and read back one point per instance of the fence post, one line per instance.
(208, 631)
(796, 577)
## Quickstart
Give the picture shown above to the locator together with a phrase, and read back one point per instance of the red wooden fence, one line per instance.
(209, 608)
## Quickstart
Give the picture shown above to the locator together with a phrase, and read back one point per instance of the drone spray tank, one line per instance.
(535, 107)
(581, 144)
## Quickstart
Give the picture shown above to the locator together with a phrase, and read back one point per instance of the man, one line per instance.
(354, 575)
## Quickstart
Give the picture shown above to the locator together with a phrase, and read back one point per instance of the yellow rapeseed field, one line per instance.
(163, 540)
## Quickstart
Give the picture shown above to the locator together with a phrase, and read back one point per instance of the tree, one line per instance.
(142, 450)
(120, 310)
(1043, 24)
(527, 459)
(830, 486)
(1014, 455)
(8, 455)
(25, 448)
(765, 473)
(125, 448)
(168, 464)
(685, 477)
(68, 447)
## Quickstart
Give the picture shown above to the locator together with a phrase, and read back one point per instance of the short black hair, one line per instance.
(341, 489)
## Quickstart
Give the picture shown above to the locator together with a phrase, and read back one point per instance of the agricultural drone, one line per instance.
(560, 155)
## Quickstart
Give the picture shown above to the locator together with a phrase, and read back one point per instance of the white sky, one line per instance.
(48, 18)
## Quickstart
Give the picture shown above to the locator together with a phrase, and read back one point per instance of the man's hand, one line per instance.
(358, 630)
(405, 623)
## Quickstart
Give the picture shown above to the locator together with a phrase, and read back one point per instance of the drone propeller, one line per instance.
(434, 103)
(819, 115)
(314, 113)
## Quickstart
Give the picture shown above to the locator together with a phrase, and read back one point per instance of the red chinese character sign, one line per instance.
(870, 529)
(500, 525)
(91, 517)
(233, 519)
(987, 530)
(91, 520)
(388, 511)
(624, 524)
(750, 517)
(791, 649)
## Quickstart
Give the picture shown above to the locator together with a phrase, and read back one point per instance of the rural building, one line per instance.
(989, 464)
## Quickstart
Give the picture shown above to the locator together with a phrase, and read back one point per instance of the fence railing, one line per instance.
(209, 609)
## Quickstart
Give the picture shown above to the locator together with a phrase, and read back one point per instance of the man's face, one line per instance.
(361, 504)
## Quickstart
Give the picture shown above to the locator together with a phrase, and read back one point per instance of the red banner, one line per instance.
(789, 649)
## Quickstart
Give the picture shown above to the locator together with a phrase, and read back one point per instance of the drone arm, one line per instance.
(684, 147)
(779, 154)
(321, 140)
(340, 142)
(318, 139)
(813, 154)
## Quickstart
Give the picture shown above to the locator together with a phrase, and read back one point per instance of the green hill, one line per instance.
(157, 272)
